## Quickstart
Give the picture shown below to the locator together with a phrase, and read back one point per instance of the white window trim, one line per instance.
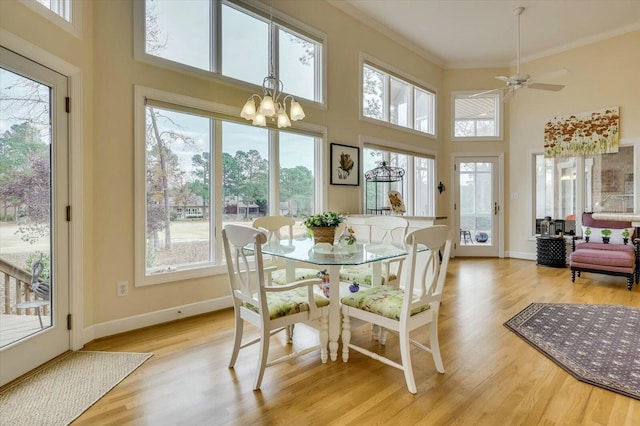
(363, 60)
(499, 119)
(140, 94)
(73, 27)
(140, 55)
(76, 170)
(401, 147)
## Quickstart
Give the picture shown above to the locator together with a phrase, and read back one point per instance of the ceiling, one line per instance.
(483, 33)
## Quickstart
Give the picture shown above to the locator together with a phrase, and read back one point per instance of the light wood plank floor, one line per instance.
(492, 376)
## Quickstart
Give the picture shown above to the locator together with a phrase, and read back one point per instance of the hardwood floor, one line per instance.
(492, 376)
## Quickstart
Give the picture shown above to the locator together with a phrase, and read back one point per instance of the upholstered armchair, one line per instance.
(606, 247)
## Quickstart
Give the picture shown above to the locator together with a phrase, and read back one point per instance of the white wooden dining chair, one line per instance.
(379, 229)
(269, 308)
(414, 304)
(274, 225)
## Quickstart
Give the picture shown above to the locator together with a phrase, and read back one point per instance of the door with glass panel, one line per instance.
(476, 206)
(34, 290)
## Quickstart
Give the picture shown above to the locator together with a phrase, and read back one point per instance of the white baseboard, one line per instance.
(521, 255)
(122, 325)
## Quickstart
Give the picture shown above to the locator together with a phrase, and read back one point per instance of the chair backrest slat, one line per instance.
(387, 229)
(425, 273)
(246, 279)
(274, 225)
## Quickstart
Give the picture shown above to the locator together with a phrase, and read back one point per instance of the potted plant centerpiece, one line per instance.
(587, 234)
(323, 226)
(606, 234)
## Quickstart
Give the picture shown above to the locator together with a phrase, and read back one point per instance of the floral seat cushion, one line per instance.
(289, 302)
(362, 275)
(279, 276)
(380, 300)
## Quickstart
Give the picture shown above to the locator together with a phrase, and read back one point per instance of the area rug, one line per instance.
(597, 344)
(62, 389)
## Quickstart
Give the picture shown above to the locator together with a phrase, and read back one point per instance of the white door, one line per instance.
(33, 215)
(476, 205)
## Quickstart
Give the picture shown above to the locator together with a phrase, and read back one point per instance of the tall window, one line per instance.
(197, 171)
(389, 98)
(186, 34)
(417, 186)
(565, 187)
(478, 117)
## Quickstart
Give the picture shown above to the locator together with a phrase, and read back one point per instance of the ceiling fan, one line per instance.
(520, 81)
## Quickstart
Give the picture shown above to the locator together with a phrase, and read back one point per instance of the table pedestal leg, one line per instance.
(335, 317)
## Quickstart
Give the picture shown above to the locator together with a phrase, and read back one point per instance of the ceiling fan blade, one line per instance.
(504, 78)
(544, 86)
(509, 95)
(485, 92)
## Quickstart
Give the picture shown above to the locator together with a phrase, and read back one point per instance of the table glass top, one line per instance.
(325, 254)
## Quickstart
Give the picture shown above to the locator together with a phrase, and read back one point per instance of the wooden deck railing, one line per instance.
(14, 289)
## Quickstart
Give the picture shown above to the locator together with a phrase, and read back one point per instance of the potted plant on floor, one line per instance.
(323, 226)
(606, 234)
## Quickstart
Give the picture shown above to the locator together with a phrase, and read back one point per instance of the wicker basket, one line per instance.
(323, 234)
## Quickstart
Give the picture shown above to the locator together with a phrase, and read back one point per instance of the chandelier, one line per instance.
(269, 104)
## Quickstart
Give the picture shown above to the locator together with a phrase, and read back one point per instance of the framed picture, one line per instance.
(345, 165)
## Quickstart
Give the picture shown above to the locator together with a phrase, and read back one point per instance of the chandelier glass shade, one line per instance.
(270, 106)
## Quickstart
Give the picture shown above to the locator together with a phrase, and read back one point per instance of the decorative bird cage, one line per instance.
(379, 181)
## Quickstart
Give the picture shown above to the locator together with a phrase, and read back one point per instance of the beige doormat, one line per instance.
(62, 389)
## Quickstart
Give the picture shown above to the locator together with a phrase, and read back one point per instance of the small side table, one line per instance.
(552, 251)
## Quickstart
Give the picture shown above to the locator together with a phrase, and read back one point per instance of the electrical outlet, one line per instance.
(123, 288)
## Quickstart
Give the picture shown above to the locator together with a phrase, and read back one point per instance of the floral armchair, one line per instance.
(609, 247)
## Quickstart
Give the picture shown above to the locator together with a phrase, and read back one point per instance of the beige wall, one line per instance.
(105, 54)
(599, 75)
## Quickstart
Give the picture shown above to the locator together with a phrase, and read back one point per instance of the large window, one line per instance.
(394, 100)
(197, 170)
(417, 186)
(477, 117)
(565, 187)
(185, 34)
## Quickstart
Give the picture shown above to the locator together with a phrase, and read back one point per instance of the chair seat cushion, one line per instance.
(381, 300)
(279, 276)
(290, 302)
(362, 275)
(603, 258)
(607, 247)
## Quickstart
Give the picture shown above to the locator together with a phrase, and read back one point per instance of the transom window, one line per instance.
(230, 39)
(417, 186)
(61, 8)
(198, 170)
(478, 117)
(387, 97)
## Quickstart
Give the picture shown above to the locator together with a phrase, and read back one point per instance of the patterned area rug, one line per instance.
(62, 389)
(597, 344)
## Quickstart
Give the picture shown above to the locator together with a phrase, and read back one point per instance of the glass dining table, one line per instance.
(333, 257)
